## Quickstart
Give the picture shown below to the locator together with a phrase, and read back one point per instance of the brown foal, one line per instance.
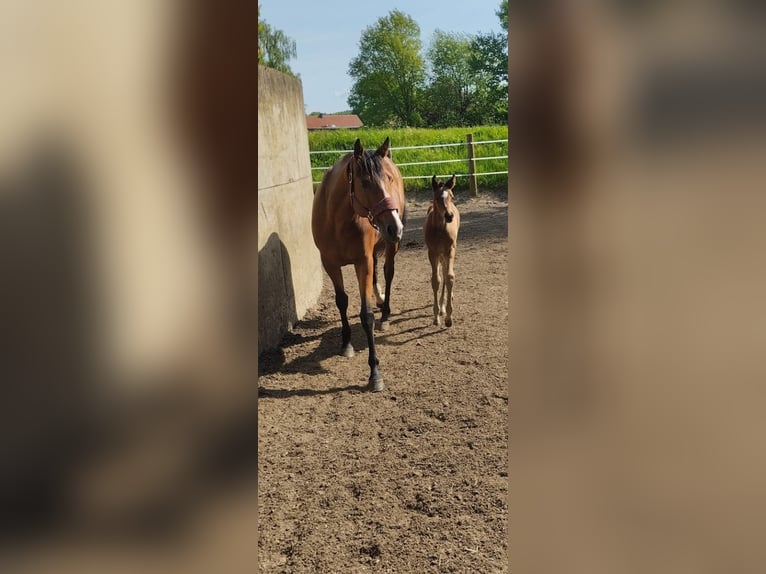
(441, 229)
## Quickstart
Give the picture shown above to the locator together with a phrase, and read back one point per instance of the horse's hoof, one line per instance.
(448, 322)
(376, 385)
(347, 351)
(384, 325)
(436, 321)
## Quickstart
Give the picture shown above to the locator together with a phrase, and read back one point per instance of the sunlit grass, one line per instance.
(343, 140)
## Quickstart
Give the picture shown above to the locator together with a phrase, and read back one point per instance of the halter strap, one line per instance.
(388, 203)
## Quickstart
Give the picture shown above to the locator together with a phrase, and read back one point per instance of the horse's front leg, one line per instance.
(388, 270)
(450, 281)
(364, 276)
(434, 259)
(341, 300)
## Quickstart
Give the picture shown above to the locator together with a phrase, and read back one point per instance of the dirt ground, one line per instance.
(413, 479)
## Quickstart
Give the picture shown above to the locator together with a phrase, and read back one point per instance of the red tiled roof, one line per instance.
(328, 122)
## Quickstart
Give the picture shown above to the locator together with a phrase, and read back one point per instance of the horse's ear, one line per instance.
(358, 149)
(434, 183)
(451, 182)
(384, 149)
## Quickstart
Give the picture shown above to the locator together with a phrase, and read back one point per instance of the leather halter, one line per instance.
(388, 203)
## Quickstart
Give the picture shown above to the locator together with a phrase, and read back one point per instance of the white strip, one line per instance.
(493, 157)
(430, 162)
(450, 160)
(414, 146)
(457, 175)
(435, 161)
(448, 175)
(493, 173)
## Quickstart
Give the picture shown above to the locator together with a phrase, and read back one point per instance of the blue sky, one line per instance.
(327, 36)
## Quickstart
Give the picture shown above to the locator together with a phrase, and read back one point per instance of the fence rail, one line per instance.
(456, 175)
(470, 160)
(411, 146)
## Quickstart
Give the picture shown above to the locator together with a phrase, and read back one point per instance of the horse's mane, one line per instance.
(372, 163)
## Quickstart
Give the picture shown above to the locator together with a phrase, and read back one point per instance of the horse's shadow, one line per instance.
(275, 361)
(422, 332)
(288, 393)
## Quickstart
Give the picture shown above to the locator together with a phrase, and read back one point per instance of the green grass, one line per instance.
(343, 140)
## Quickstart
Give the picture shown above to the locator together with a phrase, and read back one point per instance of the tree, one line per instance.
(275, 48)
(502, 13)
(489, 65)
(388, 73)
(451, 87)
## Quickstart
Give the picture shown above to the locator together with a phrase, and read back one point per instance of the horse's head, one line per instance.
(443, 198)
(371, 188)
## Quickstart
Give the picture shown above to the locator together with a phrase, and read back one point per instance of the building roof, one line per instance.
(330, 122)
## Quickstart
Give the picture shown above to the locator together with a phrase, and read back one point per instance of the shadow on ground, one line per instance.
(276, 361)
(491, 224)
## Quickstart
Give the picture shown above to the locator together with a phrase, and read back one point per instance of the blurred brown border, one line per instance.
(637, 133)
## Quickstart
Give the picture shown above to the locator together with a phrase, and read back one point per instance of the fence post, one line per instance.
(471, 166)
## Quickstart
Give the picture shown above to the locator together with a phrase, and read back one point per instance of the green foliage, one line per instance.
(275, 48)
(343, 141)
(502, 13)
(449, 95)
(466, 84)
(388, 73)
(489, 66)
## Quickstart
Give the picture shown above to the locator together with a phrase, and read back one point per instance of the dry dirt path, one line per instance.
(413, 479)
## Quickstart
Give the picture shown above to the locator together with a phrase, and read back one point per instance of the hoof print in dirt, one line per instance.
(373, 551)
(422, 505)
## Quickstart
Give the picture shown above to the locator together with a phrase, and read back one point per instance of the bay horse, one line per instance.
(440, 230)
(358, 212)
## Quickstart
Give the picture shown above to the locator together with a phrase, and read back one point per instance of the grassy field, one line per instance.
(343, 140)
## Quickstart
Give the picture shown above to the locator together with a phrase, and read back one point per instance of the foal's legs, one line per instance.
(450, 281)
(364, 276)
(388, 270)
(442, 276)
(434, 259)
(376, 286)
(341, 300)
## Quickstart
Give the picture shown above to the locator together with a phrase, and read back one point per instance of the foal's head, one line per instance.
(373, 185)
(443, 198)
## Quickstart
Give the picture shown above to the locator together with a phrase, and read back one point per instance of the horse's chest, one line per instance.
(437, 235)
(348, 242)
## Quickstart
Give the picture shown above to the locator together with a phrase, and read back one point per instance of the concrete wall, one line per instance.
(289, 268)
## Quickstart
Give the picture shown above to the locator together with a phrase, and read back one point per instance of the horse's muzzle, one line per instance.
(392, 228)
(393, 233)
